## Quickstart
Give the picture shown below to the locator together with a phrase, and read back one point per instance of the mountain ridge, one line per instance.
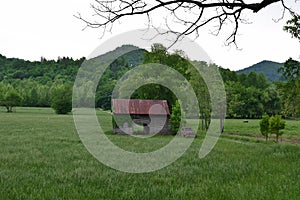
(267, 67)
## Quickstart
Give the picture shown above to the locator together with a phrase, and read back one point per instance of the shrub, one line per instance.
(276, 124)
(264, 126)
(61, 99)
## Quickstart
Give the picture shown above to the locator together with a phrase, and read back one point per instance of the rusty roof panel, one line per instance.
(141, 107)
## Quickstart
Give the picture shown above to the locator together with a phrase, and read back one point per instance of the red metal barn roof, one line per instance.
(140, 107)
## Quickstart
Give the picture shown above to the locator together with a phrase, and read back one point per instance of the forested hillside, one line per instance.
(249, 95)
(33, 82)
(36, 81)
(45, 71)
(61, 70)
(268, 68)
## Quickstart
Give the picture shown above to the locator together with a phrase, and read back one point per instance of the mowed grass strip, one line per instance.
(42, 157)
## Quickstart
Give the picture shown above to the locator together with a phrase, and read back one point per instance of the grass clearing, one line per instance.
(250, 130)
(42, 157)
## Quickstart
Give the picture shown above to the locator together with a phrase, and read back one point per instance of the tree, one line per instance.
(11, 99)
(291, 88)
(290, 70)
(235, 102)
(1, 96)
(202, 93)
(276, 124)
(272, 101)
(265, 126)
(2, 89)
(33, 97)
(61, 99)
(188, 15)
(160, 55)
(293, 26)
(176, 117)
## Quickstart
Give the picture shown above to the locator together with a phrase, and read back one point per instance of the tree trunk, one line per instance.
(206, 123)
(221, 125)
(9, 109)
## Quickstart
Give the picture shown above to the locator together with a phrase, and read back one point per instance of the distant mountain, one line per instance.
(269, 68)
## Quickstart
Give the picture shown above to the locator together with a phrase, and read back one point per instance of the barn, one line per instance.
(152, 115)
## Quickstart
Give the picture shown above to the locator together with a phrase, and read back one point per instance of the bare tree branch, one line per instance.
(191, 14)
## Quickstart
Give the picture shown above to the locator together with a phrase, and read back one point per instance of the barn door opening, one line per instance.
(146, 129)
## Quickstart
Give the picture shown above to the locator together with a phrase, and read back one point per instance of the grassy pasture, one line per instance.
(42, 157)
(237, 127)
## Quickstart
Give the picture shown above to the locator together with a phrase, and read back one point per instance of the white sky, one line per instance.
(34, 28)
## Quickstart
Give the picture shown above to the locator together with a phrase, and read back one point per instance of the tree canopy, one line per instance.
(11, 99)
(291, 88)
(293, 26)
(61, 100)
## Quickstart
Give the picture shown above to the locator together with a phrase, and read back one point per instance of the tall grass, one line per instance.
(42, 157)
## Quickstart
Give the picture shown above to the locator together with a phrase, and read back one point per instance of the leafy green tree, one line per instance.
(293, 26)
(1, 97)
(243, 79)
(265, 126)
(33, 97)
(61, 99)
(290, 70)
(2, 90)
(271, 101)
(11, 99)
(160, 55)
(261, 81)
(276, 124)
(235, 101)
(249, 96)
(251, 79)
(43, 96)
(176, 60)
(291, 88)
(253, 103)
(228, 75)
(176, 117)
(155, 92)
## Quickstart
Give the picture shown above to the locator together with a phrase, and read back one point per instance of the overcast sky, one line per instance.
(34, 28)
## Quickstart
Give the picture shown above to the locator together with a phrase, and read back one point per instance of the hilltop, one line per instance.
(268, 68)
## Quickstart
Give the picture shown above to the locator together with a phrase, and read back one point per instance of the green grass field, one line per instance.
(250, 130)
(42, 157)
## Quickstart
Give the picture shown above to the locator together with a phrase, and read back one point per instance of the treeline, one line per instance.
(32, 83)
(28, 93)
(248, 95)
(43, 72)
(36, 82)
